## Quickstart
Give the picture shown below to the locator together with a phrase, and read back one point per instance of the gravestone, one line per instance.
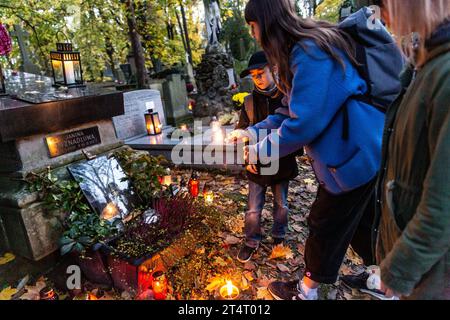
(136, 104)
(21, 37)
(175, 99)
(49, 130)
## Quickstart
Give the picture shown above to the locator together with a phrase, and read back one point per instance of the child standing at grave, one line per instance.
(263, 101)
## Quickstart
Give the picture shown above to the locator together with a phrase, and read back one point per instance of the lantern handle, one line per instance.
(64, 35)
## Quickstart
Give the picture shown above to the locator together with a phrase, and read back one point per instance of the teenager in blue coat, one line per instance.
(316, 70)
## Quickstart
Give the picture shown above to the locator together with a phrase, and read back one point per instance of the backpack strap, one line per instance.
(249, 108)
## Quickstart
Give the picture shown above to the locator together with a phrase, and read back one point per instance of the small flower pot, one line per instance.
(123, 269)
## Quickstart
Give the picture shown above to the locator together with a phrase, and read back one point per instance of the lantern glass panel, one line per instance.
(77, 71)
(149, 124)
(70, 74)
(58, 70)
(157, 123)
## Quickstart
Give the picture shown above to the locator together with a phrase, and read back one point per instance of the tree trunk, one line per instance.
(138, 52)
(186, 33)
(182, 30)
(109, 48)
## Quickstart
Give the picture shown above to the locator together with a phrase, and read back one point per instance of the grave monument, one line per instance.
(43, 127)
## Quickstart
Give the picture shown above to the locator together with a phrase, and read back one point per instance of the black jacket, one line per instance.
(262, 107)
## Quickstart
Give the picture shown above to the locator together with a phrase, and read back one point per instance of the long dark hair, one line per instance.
(282, 28)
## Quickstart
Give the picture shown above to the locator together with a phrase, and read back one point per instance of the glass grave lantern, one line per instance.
(66, 65)
(152, 123)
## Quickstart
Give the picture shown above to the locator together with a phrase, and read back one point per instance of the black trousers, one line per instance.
(335, 222)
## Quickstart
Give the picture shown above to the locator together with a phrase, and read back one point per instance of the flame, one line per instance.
(110, 211)
(229, 288)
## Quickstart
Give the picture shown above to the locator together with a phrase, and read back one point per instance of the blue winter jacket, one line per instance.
(320, 88)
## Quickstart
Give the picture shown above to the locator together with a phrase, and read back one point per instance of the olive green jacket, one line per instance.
(414, 186)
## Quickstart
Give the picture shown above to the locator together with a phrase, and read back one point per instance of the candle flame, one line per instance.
(229, 288)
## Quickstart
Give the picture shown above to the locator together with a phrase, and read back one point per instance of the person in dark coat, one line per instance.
(262, 102)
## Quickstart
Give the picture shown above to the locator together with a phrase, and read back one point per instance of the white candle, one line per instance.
(69, 70)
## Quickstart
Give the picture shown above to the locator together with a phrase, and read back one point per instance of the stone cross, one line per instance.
(22, 39)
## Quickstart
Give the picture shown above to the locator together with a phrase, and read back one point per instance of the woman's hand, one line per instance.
(236, 135)
(252, 168)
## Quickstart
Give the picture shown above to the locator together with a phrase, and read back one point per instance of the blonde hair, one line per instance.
(416, 16)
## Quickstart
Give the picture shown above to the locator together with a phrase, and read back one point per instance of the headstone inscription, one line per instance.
(72, 141)
(132, 123)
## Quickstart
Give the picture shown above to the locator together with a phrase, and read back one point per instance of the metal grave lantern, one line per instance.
(152, 123)
(66, 65)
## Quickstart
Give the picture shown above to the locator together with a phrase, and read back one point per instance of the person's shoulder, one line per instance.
(307, 49)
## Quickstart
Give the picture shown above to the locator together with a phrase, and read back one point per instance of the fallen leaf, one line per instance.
(263, 294)
(244, 283)
(297, 228)
(214, 284)
(249, 276)
(283, 267)
(249, 266)
(301, 248)
(220, 262)
(107, 296)
(296, 262)
(231, 240)
(7, 293)
(297, 218)
(332, 295)
(33, 291)
(264, 281)
(280, 251)
(8, 257)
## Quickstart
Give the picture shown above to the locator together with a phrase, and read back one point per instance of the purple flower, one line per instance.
(5, 41)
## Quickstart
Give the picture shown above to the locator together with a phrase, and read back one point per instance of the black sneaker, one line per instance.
(359, 282)
(246, 253)
(277, 241)
(283, 290)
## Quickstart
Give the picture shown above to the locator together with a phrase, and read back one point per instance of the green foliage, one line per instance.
(143, 171)
(98, 29)
(235, 32)
(63, 196)
(83, 227)
(329, 10)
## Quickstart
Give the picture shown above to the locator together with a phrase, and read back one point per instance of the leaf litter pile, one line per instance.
(201, 274)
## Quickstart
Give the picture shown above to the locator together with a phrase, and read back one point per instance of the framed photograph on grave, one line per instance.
(106, 187)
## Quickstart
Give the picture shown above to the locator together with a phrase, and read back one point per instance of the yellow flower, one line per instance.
(240, 97)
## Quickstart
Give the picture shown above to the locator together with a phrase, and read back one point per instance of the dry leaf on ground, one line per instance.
(231, 240)
(283, 267)
(7, 293)
(263, 294)
(280, 251)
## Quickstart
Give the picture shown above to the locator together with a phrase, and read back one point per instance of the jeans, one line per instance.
(256, 200)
